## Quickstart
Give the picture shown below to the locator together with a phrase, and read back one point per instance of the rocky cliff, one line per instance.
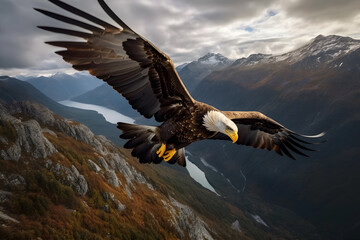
(56, 172)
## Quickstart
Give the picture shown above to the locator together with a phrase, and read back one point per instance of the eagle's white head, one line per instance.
(217, 122)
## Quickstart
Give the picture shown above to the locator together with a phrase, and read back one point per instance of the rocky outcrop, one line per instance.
(111, 197)
(94, 166)
(236, 226)
(4, 196)
(33, 110)
(69, 176)
(13, 181)
(12, 153)
(29, 137)
(112, 178)
(5, 217)
(31, 123)
(184, 218)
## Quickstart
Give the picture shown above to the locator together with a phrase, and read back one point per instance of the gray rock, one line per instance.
(71, 177)
(121, 207)
(128, 192)
(94, 166)
(79, 132)
(48, 163)
(3, 140)
(31, 139)
(13, 153)
(185, 220)
(236, 226)
(108, 196)
(128, 171)
(78, 182)
(111, 197)
(103, 163)
(14, 181)
(44, 116)
(4, 196)
(111, 178)
(5, 217)
(106, 208)
(46, 130)
(34, 110)
(258, 219)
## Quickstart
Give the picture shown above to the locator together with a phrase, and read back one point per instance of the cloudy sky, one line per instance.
(184, 29)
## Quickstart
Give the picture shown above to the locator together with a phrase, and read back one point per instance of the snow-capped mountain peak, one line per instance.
(214, 59)
(181, 66)
(253, 59)
(322, 49)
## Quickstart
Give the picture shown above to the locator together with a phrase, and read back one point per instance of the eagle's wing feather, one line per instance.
(129, 63)
(259, 131)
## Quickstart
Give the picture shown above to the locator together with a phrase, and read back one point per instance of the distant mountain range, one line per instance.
(193, 73)
(309, 90)
(321, 50)
(63, 86)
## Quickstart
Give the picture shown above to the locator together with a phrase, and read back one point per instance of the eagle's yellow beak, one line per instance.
(232, 134)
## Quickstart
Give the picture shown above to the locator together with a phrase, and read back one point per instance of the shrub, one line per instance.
(46, 183)
(30, 205)
(7, 130)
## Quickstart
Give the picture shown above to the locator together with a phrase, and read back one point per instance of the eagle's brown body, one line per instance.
(186, 126)
(147, 78)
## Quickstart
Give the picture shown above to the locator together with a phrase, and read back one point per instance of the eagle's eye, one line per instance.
(228, 128)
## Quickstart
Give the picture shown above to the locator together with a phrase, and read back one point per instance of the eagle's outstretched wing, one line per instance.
(133, 66)
(259, 131)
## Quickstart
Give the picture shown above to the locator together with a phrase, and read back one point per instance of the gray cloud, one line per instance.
(21, 43)
(323, 10)
(184, 29)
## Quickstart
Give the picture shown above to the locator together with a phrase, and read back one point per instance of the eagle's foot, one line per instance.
(169, 154)
(161, 150)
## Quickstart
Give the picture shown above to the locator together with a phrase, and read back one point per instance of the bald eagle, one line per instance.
(147, 78)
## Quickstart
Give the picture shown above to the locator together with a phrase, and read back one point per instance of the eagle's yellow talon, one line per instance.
(161, 150)
(169, 154)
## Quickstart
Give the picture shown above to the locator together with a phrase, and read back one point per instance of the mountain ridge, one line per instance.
(308, 97)
(61, 86)
(320, 50)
